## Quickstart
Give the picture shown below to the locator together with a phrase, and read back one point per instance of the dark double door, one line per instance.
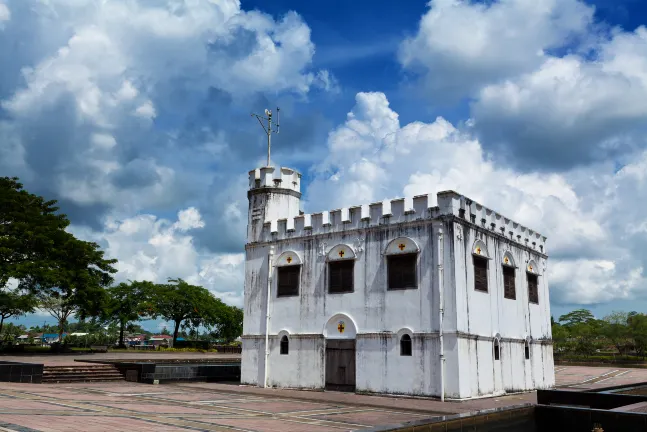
(340, 364)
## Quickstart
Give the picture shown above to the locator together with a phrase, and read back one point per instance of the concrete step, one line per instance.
(81, 373)
(79, 380)
(72, 375)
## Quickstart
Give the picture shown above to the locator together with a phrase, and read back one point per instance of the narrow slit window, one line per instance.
(480, 274)
(340, 276)
(285, 345)
(533, 292)
(496, 350)
(527, 348)
(405, 345)
(508, 283)
(402, 271)
(288, 280)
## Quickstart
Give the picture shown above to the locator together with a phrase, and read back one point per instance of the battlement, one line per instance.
(269, 177)
(401, 210)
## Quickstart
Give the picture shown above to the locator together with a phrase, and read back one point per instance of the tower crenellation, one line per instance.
(273, 194)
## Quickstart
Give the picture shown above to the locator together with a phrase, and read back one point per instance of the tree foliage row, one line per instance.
(580, 333)
(44, 266)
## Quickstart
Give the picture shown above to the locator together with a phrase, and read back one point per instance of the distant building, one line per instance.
(434, 295)
(161, 340)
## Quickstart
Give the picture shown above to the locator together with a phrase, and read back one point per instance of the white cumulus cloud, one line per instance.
(373, 157)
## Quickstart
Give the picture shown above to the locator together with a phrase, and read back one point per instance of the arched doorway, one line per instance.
(340, 332)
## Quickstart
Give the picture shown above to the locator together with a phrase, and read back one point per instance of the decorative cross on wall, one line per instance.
(401, 246)
(478, 250)
(341, 327)
(506, 260)
(289, 260)
(341, 254)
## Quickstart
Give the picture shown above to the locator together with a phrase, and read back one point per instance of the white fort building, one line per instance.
(435, 296)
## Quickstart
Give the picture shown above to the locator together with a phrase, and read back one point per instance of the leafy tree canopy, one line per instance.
(14, 303)
(126, 303)
(579, 316)
(179, 301)
(36, 250)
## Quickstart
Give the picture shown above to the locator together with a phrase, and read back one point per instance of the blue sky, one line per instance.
(135, 116)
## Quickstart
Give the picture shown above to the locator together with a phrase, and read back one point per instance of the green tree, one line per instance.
(11, 332)
(560, 337)
(180, 302)
(638, 331)
(579, 316)
(583, 331)
(36, 250)
(14, 303)
(58, 307)
(230, 324)
(29, 227)
(126, 304)
(616, 330)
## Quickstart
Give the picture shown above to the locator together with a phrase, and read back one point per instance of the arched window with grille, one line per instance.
(341, 266)
(509, 270)
(285, 345)
(532, 278)
(497, 349)
(480, 261)
(402, 264)
(288, 273)
(405, 345)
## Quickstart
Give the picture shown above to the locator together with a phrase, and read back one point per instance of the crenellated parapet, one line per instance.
(451, 202)
(399, 211)
(270, 177)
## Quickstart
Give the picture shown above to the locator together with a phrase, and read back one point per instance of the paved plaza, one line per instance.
(125, 406)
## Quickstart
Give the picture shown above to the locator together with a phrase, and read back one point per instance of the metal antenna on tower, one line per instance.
(268, 130)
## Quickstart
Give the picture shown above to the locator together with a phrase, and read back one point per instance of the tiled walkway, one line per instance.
(221, 407)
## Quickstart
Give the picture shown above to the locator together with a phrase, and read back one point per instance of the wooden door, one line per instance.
(340, 364)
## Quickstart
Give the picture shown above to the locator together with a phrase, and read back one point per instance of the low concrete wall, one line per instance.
(21, 372)
(149, 372)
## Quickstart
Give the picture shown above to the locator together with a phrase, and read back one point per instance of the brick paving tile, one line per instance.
(371, 417)
(278, 407)
(10, 405)
(225, 407)
(275, 425)
(156, 408)
(398, 403)
(45, 423)
(196, 397)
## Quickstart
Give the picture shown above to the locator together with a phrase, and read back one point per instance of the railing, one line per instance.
(228, 349)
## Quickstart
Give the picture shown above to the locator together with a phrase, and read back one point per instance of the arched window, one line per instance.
(497, 354)
(285, 345)
(532, 278)
(288, 266)
(402, 264)
(509, 289)
(480, 262)
(405, 345)
(527, 349)
(341, 265)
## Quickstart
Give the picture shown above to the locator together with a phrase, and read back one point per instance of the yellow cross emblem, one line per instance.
(341, 327)
(289, 260)
(401, 246)
(341, 253)
(478, 250)
(505, 260)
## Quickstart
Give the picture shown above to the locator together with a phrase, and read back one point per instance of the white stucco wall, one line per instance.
(376, 316)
